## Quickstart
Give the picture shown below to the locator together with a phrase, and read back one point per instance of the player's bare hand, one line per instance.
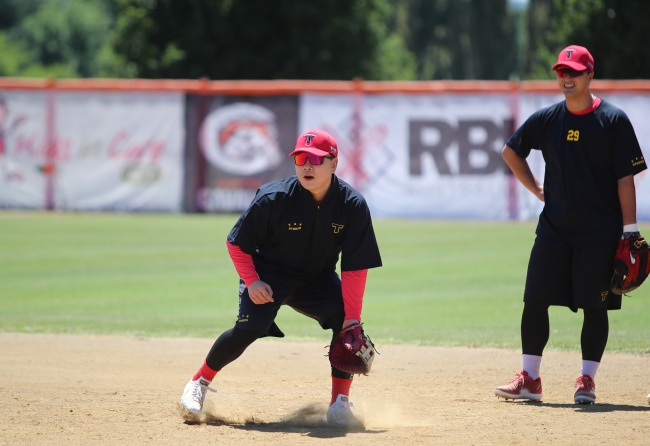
(260, 292)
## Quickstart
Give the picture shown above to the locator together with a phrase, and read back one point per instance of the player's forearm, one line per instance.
(522, 172)
(353, 286)
(627, 197)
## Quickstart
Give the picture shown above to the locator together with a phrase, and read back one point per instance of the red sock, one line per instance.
(340, 386)
(205, 372)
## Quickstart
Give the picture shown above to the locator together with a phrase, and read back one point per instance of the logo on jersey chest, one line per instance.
(295, 226)
(337, 228)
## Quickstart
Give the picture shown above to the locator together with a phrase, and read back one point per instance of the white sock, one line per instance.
(589, 368)
(532, 365)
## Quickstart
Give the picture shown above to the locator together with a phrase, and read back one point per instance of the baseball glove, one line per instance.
(352, 351)
(631, 265)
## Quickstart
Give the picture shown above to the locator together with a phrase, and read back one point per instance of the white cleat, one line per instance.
(340, 413)
(194, 395)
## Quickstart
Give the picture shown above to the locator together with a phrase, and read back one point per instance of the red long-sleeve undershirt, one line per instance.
(353, 283)
(243, 264)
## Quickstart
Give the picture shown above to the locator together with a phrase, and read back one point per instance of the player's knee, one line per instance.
(246, 336)
(535, 307)
(229, 346)
(597, 316)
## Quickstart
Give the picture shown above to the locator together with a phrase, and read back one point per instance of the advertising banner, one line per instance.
(420, 156)
(22, 146)
(93, 151)
(241, 143)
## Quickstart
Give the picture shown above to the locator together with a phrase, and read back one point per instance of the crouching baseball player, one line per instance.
(285, 248)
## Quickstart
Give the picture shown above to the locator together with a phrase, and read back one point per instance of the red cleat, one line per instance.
(523, 387)
(585, 390)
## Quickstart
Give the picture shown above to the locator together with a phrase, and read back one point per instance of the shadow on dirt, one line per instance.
(589, 408)
(600, 408)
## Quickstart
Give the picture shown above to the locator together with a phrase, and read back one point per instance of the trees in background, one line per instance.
(466, 39)
(258, 39)
(324, 39)
(615, 31)
(60, 38)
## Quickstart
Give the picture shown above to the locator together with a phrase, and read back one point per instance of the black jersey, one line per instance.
(585, 155)
(291, 237)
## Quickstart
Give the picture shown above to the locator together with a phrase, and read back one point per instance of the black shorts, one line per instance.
(320, 299)
(571, 276)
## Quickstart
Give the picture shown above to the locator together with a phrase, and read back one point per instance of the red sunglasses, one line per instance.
(301, 158)
(564, 72)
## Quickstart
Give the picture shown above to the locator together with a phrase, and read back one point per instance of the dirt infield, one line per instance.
(91, 390)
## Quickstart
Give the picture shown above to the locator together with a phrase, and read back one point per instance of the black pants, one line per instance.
(232, 343)
(535, 330)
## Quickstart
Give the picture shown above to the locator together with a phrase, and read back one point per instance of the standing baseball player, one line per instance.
(285, 248)
(591, 155)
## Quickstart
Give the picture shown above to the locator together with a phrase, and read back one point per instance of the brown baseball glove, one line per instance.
(352, 351)
(631, 265)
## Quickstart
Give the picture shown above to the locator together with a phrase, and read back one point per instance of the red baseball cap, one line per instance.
(318, 142)
(576, 57)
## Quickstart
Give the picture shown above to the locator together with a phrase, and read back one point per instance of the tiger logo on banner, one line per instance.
(241, 139)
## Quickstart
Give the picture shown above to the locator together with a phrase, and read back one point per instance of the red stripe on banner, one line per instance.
(49, 166)
(357, 152)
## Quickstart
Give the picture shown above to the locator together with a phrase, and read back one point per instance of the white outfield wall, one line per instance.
(415, 150)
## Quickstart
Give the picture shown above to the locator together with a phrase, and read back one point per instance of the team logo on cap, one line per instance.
(569, 53)
(309, 137)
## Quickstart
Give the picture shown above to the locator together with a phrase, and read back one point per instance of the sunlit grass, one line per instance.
(442, 283)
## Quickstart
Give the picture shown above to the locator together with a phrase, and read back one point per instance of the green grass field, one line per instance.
(442, 283)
